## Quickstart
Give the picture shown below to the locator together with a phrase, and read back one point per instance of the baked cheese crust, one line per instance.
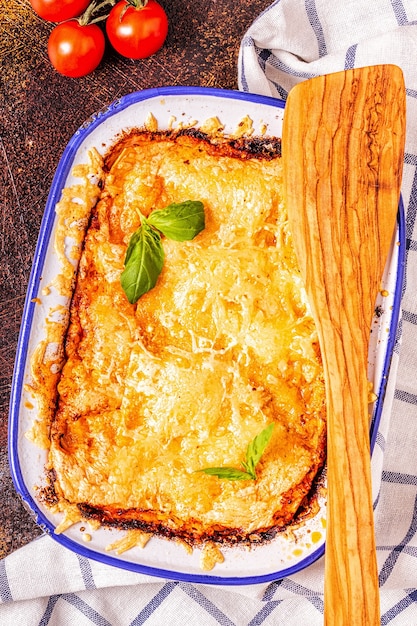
(184, 379)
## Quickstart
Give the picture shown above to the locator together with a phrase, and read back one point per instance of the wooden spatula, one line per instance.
(342, 149)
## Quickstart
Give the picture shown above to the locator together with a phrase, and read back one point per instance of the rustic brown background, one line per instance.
(40, 111)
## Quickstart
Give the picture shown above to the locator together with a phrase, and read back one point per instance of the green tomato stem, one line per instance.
(94, 7)
(138, 4)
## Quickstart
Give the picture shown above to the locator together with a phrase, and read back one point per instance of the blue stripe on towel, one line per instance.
(85, 609)
(350, 57)
(399, 12)
(195, 593)
(156, 601)
(313, 18)
(398, 608)
(86, 572)
(5, 592)
(52, 600)
(264, 613)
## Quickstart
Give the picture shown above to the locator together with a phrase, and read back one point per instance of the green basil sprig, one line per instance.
(254, 452)
(145, 254)
(180, 222)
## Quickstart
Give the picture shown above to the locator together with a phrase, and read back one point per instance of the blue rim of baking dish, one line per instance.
(61, 174)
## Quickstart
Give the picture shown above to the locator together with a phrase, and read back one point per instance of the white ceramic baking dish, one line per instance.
(287, 553)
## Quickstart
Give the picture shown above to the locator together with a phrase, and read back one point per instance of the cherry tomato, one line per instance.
(76, 50)
(59, 10)
(137, 29)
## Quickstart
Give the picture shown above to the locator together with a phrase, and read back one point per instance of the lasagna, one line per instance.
(151, 394)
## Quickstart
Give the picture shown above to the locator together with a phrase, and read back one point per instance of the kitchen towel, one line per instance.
(45, 584)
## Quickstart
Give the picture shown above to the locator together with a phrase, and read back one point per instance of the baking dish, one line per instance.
(288, 552)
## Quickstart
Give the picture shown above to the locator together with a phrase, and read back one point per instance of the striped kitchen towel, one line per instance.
(45, 584)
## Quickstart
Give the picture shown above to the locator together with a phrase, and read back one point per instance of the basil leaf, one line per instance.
(143, 262)
(254, 451)
(256, 448)
(250, 469)
(145, 255)
(180, 222)
(132, 247)
(230, 473)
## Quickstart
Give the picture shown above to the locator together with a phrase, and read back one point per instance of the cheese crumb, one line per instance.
(132, 539)
(210, 555)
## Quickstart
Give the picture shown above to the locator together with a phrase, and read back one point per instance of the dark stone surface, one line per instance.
(39, 112)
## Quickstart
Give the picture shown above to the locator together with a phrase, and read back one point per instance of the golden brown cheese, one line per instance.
(223, 346)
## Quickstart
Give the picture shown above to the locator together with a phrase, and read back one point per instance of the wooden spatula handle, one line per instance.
(346, 133)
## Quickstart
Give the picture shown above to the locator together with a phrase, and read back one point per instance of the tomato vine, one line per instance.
(136, 29)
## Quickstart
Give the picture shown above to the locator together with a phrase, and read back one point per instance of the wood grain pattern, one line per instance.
(343, 148)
